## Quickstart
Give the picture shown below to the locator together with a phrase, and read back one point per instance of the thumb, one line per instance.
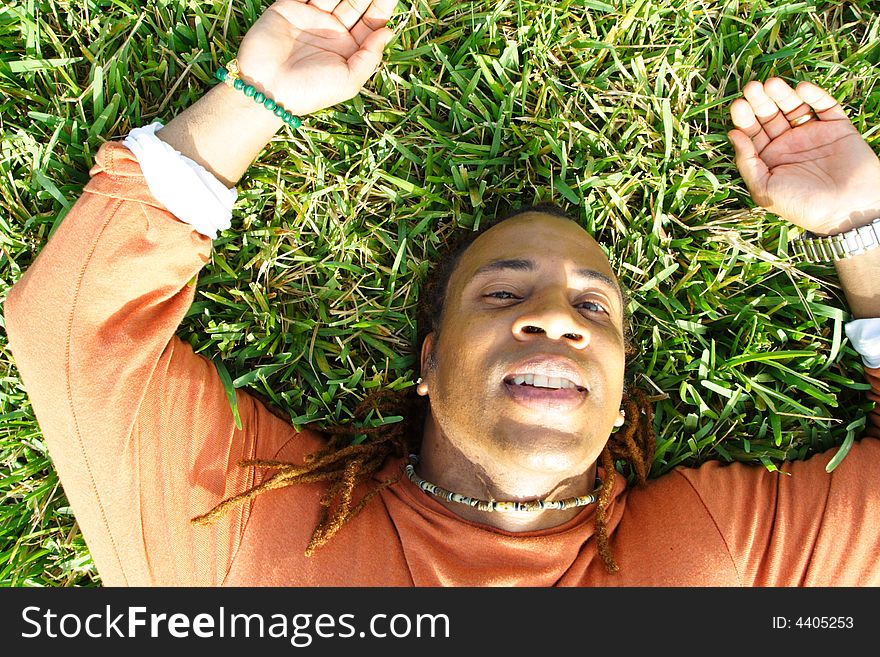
(365, 61)
(751, 167)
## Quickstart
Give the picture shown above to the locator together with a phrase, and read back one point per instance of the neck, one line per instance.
(490, 477)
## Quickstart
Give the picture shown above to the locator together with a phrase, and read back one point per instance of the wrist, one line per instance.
(230, 76)
(853, 220)
(223, 132)
(847, 244)
(246, 111)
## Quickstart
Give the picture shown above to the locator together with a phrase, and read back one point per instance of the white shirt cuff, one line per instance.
(183, 186)
(864, 334)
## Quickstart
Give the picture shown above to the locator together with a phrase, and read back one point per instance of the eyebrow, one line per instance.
(521, 264)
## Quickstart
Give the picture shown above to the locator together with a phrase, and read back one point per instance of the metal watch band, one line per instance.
(831, 248)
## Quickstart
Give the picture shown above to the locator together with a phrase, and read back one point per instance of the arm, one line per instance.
(820, 175)
(860, 280)
(305, 58)
(137, 425)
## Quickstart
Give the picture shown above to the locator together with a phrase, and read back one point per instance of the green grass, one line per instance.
(615, 110)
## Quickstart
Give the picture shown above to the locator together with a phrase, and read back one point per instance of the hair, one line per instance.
(344, 466)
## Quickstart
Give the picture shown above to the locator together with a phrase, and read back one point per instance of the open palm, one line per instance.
(820, 175)
(311, 55)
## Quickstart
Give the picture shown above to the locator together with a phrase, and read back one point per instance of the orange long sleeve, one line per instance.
(138, 426)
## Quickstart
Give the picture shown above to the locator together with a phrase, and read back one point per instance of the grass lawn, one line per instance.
(615, 109)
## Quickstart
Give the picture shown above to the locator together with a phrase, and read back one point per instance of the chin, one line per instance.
(552, 451)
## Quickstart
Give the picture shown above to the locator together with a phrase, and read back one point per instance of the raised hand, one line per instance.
(820, 174)
(311, 55)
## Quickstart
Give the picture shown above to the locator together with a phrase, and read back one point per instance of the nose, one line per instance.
(553, 317)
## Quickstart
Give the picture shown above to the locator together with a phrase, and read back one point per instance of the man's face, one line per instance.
(528, 366)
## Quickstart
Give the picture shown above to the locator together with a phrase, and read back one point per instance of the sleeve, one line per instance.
(183, 186)
(802, 526)
(138, 426)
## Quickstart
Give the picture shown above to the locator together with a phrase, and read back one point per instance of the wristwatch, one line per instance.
(830, 248)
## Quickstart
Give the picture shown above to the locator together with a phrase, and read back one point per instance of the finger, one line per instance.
(752, 168)
(306, 13)
(766, 111)
(365, 61)
(791, 105)
(324, 5)
(744, 119)
(825, 106)
(376, 16)
(349, 12)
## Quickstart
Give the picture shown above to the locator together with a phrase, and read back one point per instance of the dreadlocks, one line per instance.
(344, 466)
(634, 445)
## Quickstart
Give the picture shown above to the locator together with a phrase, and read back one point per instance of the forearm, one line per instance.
(860, 280)
(224, 132)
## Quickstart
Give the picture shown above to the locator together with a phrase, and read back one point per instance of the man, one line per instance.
(524, 371)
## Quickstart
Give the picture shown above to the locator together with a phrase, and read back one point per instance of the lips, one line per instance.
(547, 371)
(543, 381)
(547, 382)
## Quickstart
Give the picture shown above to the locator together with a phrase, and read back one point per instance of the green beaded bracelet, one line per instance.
(231, 79)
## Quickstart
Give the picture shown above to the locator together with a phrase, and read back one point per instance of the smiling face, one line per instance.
(527, 370)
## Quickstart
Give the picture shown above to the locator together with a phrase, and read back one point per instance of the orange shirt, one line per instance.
(142, 435)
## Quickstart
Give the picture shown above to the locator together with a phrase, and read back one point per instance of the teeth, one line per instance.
(541, 381)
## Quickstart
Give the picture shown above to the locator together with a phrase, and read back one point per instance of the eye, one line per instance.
(592, 306)
(501, 294)
(501, 299)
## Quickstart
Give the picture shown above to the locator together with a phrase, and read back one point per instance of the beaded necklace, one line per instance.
(493, 505)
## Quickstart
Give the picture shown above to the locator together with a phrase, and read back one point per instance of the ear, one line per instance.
(426, 360)
(426, 363)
